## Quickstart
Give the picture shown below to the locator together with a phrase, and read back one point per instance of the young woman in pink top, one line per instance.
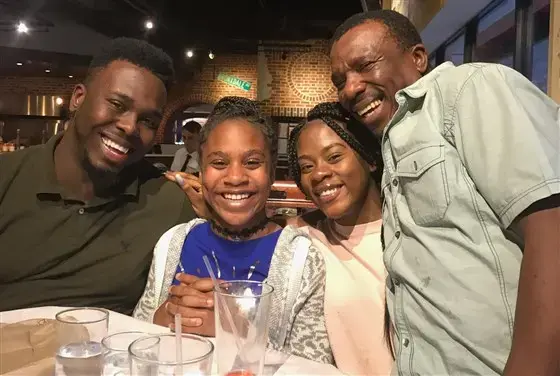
(337, 163)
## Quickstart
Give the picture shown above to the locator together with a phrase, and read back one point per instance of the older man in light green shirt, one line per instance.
(471, 202)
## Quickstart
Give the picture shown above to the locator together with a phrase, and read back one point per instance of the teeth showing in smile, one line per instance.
(372, 106)
(236, 197)
(114, 145)
(328, 192)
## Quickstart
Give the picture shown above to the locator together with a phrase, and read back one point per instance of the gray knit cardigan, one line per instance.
(297, 273)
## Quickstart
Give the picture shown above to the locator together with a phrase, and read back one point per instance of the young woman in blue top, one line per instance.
(238, 150)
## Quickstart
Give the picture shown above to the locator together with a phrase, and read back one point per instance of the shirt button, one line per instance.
(81, 211)
(397, 234)
(405, 342)
(395, 182)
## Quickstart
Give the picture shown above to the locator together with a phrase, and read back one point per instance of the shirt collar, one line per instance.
(420, 87)
(411, 98)
(48, 184)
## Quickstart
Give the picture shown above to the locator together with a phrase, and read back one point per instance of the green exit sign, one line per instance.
(234, 81)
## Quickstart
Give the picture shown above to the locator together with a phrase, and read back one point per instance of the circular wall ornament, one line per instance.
(309, 75)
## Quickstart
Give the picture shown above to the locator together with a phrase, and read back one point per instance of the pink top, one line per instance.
(354, 296)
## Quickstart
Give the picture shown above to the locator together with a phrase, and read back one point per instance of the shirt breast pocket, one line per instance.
(424, 185)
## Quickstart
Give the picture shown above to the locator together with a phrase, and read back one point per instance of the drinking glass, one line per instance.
(156, 355)
(248, 303)
(79, 334)
(115, 352)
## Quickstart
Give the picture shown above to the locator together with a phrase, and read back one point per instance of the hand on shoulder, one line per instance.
(190, 184)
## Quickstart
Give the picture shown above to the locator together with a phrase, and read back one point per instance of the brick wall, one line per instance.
(298, 78)
(37, 85)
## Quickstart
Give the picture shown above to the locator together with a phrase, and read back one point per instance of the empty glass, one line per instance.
(249, 304)
(156, 356)
(115, 352)
(79, 335)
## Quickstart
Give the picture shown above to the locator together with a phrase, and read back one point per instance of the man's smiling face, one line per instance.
(369, 67)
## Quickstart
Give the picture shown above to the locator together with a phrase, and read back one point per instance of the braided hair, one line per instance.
(232, 107)
(347, 128)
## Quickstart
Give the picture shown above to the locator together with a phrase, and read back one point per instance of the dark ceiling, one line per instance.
(217, 25)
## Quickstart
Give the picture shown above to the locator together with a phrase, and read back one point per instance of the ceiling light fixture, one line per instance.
(190, 53)
(149, 25)
(47, 71)
(70, 76)
(211, 55)
(19, 63)
(22, 27)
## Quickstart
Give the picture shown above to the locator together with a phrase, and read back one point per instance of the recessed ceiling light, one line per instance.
(22, 27)
(47, 71)
(149, 25)
(190, 53)
(19, 63)
(70, 76)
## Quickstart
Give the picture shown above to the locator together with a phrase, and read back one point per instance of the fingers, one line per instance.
(170, 175)
(204, 285)
(182, 177)
(186, 279)
(193, 301)
(200, 284)
(192, 317)
(206, 329)
(190, 297)
(187, 182)
(196, 186)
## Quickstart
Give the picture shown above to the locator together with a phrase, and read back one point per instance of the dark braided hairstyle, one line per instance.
(347, 128)
(229, 108)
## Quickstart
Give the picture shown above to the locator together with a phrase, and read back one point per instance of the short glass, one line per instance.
(116, 361)
(155, 355)
(79, 335)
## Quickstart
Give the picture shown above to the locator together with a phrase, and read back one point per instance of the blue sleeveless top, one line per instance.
(230, 260)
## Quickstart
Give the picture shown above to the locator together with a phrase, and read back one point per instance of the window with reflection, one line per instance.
(541, 24)
(455, 51)
(495, 37)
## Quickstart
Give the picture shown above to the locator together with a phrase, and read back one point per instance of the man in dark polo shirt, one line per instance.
(80, 215)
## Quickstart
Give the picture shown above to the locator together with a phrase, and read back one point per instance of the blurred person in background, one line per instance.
(186, 158)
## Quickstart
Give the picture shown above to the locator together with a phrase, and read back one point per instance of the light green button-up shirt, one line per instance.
(468, 150)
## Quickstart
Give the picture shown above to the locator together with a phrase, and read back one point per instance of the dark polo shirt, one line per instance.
(59, 251)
